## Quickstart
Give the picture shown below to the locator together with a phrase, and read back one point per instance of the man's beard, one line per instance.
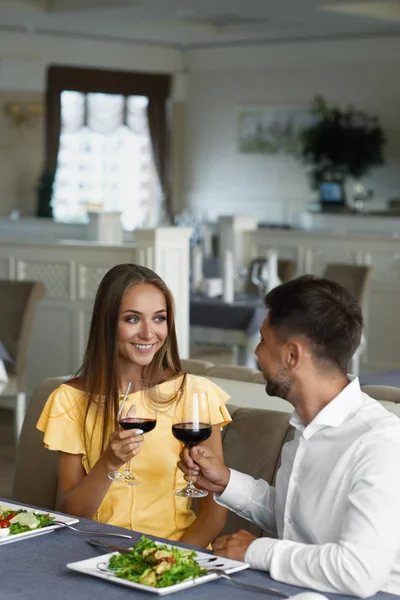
(281, 386)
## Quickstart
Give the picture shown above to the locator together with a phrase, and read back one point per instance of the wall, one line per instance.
(23, 62)
(24, 57)
(219, 180)
(20, 157)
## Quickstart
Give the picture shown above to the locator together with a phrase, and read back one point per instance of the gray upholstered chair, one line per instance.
(383, 393)
(356, 279)
(236, 372)
(18, 305)
(195, 366)
(35, 478)
(252, 444)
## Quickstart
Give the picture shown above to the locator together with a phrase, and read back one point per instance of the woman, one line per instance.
(132, 337)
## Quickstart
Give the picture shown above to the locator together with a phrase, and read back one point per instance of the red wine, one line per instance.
(145, 425)
(191, 434)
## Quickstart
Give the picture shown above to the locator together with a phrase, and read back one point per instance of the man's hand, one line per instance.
(207, 470)
(233, 546)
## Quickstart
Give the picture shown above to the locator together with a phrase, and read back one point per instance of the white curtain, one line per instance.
(103, 113)
(105, 159)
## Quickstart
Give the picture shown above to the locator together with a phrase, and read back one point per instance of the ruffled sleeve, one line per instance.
(217, 398)
(62, 421)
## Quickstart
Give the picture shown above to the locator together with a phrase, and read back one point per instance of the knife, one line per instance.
(109, 547)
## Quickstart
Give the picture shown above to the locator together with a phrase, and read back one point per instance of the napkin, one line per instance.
(272, 265)
(197, 268)
(229, 277)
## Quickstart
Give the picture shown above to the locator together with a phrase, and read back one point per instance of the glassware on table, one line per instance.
(259, 276)
(145, 422)
(242, 275)
(191, 426)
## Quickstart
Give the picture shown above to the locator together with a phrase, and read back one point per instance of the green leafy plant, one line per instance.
(341, 142)
(44, 194)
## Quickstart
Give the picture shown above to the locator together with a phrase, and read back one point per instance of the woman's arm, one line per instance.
(81, 492)
(211, 516)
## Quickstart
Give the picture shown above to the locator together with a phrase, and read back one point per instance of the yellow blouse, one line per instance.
(152, 507)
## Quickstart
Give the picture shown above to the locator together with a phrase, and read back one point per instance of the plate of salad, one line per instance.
(155, 567)
(18, 522)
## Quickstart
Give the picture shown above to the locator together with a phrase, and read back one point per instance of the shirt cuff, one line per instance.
(237, 492)
(259, 553)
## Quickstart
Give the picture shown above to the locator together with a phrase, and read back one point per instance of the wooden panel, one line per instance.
(55, 275)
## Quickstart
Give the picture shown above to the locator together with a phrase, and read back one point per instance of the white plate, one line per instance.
(89, 567)
(33, 532)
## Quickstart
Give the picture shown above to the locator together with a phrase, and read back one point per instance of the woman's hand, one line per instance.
(123, 445)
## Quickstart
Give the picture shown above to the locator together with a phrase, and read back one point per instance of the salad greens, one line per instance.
(156, 565)
(19, 521)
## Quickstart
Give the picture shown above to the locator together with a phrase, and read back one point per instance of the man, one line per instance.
(336, 502)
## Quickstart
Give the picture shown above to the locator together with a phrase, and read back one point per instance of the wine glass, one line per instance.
(144, 422)
(259, 275)
(192, 425)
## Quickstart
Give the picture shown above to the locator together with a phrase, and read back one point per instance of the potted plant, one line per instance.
(44, 194)
(341, 143)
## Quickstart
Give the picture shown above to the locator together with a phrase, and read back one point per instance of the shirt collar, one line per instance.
(334, 413)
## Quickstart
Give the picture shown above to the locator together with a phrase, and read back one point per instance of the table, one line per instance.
(237, 324)
(36, 568)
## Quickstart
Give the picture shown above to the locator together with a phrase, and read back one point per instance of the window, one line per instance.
(105, 160)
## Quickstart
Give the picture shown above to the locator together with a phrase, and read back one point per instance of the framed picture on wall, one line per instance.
(271, 129)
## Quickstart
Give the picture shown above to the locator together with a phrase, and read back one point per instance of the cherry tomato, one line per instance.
(10, 516)
(4, 524)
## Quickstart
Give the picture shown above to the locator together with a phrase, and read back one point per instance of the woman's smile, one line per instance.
(142, 326)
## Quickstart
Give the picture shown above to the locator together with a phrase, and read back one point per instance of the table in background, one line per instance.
(234, 324)
(36, 568)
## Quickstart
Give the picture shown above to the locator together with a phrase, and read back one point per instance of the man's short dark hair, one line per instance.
(322, 311)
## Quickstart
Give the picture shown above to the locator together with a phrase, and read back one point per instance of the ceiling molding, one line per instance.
(262, 41)
(64, 6)
(348, 37)
(383, 10)
(158, 24)
(87, 37)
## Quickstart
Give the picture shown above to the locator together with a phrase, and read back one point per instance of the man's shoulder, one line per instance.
(377, 418)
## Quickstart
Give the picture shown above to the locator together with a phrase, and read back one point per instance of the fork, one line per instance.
(248, 586)
(122, 535)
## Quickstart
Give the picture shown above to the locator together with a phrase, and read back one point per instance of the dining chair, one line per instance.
(35, 475)
(195, 366)
(383, 393)
(286, 271)
(252, 444)
(357, 280)
(18, 305)
(236, 372)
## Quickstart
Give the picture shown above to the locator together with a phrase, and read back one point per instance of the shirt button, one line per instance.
(289, 521)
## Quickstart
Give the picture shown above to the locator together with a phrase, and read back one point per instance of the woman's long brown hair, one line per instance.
(99, 370)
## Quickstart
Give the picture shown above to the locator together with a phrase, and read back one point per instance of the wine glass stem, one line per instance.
(128, 468)
(190, 480)
(190, 484)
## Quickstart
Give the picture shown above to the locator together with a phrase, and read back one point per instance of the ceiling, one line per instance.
(202, 23)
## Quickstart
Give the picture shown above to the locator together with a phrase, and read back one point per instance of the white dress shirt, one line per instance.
(336, 503)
